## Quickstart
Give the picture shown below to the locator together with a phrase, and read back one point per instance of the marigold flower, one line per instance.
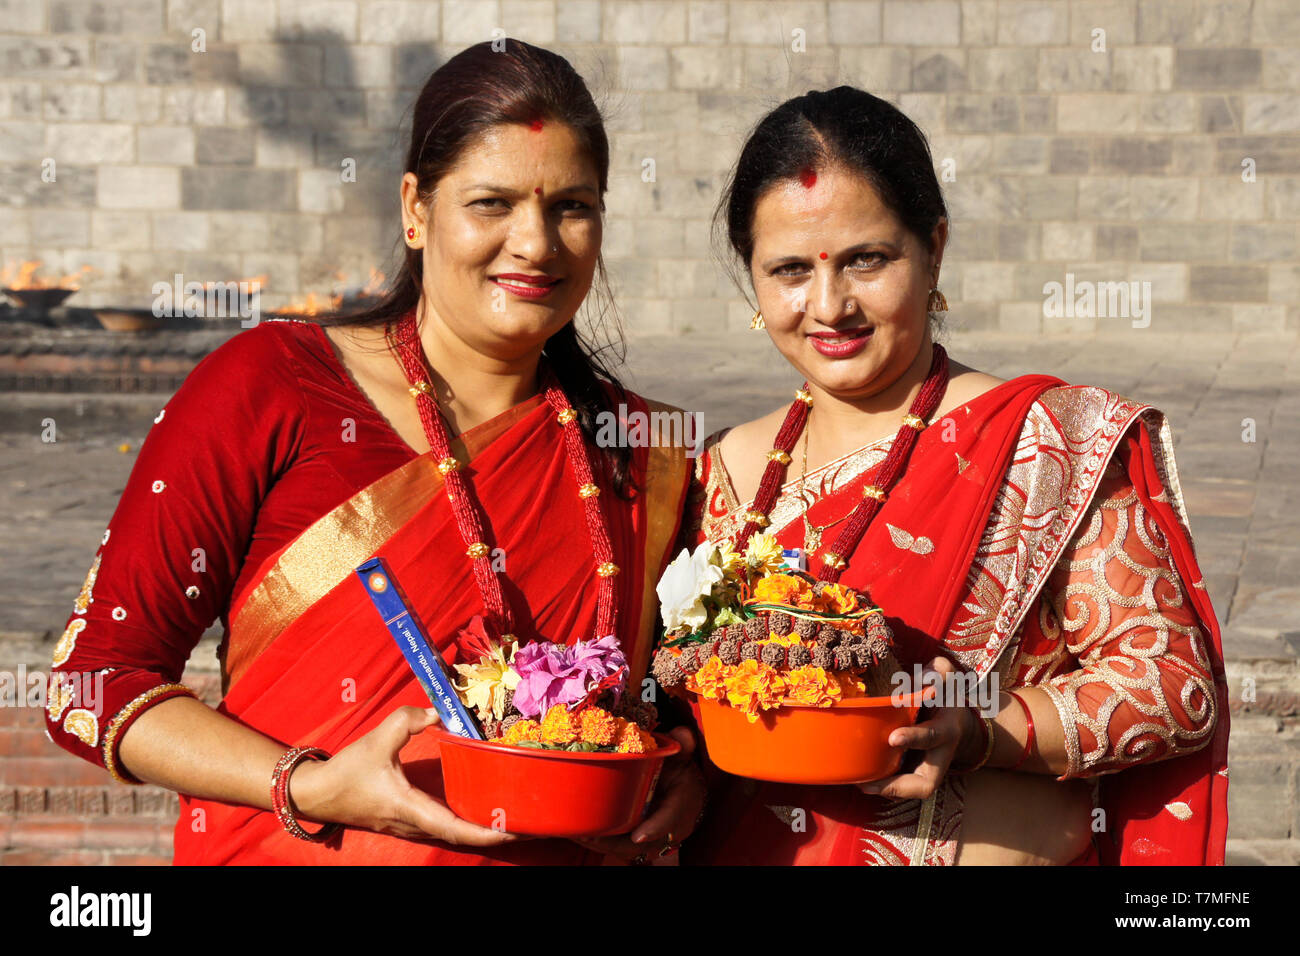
(597, 726)
(560, 726)
(522, 731)
(812, 686)
(709, 680)
(631, 739)
(782, 589)
(754, 686)
(838, 599)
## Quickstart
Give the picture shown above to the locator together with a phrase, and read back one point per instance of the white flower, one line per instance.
(685, 584)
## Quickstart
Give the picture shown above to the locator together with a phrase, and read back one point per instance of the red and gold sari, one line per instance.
(1038, 533)
(273, 465)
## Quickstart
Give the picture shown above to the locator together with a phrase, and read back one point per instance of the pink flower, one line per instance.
(551, 674)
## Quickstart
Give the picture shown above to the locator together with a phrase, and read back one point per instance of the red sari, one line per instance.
(293, 483)
(1038, 532)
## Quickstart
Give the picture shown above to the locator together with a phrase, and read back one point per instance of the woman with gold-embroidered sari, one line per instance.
(298, 450)
(1028, 532)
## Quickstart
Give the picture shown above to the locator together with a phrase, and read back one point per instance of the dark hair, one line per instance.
(844, 126)
(479, 88)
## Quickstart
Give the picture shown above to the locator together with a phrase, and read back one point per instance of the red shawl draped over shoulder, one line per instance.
(959, 557)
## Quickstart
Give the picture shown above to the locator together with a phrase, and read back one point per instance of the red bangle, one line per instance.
(280, 803)
(1029, 738)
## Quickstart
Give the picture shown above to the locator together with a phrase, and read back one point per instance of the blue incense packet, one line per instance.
(794, 559)
(426, 662)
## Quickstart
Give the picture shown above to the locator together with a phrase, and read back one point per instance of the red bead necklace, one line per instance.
(405, 341)
(889, 471)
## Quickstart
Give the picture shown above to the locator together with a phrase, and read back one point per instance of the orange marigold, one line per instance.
(560, 726)
(710, 680)
(753, 686)
(812, 686)
(838, 599)
(631, 738)
(521, 731)
(597, 726)
(782, 589)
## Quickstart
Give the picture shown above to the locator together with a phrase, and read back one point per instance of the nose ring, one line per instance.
(848, 306)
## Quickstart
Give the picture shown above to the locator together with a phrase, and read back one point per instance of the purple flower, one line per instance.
(551, 674)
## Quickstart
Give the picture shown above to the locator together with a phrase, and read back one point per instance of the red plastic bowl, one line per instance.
(556, 793)
(844, 743)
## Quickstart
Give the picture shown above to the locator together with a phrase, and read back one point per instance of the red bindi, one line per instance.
(537, 190)
(808, 177)
(536, 125)
(821, 255)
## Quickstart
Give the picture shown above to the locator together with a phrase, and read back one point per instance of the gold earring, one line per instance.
(937, 302)
(757, 322)
(412, 233)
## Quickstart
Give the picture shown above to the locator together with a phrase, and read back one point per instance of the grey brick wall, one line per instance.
(1117, 164)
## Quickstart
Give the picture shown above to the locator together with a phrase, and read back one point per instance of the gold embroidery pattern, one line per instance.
(82, 604)
(1067, 441)
(1137, 684)
(82, 724)
(60, 696)
(122, 716)
(723, 515)
(63, 649)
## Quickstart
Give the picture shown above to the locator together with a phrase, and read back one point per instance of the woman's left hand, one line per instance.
(939, 738)
(678, 804)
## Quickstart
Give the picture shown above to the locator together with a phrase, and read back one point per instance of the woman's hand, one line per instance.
(363, 786)
(940, 738)
(678, 803)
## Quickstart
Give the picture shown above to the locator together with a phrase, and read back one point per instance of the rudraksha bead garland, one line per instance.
(465, 507)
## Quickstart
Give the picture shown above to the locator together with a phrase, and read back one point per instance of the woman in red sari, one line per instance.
(297, 451)
(1036, 536)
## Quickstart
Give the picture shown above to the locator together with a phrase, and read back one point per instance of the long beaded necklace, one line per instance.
(812, 534)
(405, 342)
(874, 495)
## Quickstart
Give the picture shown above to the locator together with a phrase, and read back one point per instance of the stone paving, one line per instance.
(1242, 496)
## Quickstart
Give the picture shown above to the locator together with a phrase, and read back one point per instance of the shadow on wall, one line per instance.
(346, 137)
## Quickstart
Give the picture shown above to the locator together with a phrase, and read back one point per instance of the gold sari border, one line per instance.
(326, 552)
(667, 477)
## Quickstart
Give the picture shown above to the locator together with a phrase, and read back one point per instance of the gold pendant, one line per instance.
(812, 536)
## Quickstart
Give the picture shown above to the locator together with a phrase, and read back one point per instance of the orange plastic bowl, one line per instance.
(554, 793)
(844, 743)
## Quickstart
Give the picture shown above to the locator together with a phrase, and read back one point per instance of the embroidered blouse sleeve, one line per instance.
(1143, 689)
(168, 561)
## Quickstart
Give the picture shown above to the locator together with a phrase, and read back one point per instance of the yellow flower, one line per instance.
(486, 682)
(763, 553)
(730, 559)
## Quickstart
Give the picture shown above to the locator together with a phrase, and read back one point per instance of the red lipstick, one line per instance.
(840, 344)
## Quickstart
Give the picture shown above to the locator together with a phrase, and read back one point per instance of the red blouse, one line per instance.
(265, 436)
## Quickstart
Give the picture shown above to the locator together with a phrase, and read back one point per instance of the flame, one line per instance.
(314, 304)
(23, 276)
(375, 284)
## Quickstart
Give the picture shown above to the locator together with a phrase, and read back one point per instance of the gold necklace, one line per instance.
(812, 534)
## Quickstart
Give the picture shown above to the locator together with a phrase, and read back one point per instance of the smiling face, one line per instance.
(841, 282)
(511, 238)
